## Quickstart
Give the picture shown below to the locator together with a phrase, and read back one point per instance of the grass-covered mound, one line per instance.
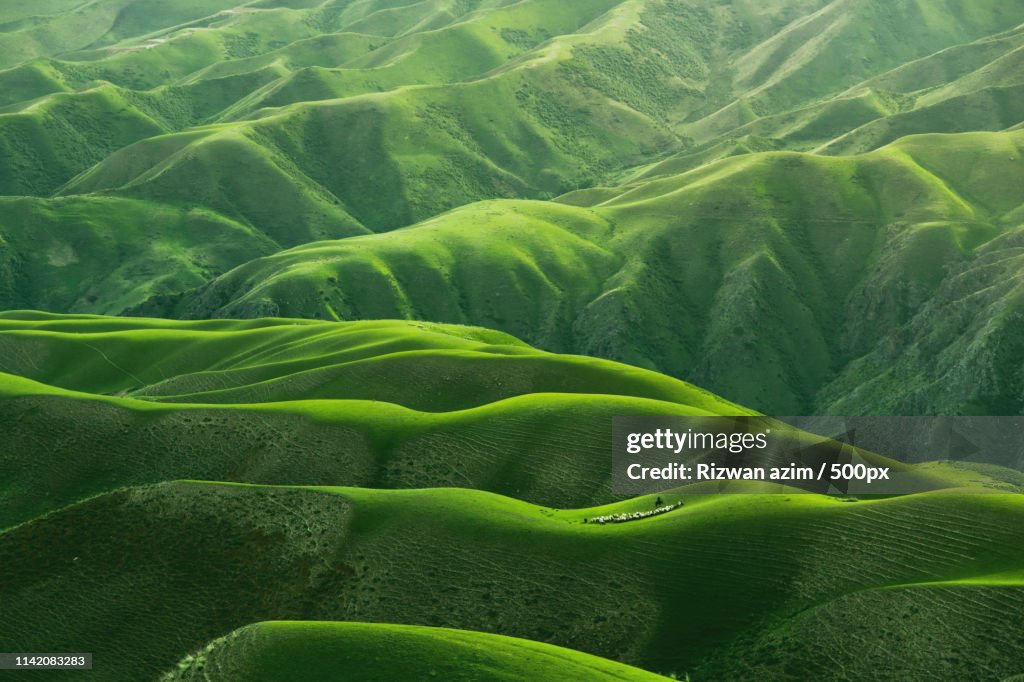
(423, 366)
(787, 282)
(724, 587)
(89, 404)
(353, 652)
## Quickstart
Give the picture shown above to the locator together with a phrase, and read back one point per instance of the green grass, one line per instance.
(833, 256)
(499, 99)
(109, 402)
(990, 108)
(766, 277)
(361, 651)
(806, 207)
(386, 404)
(49, 141)
(232, 65)
(969, 86)
(105, 254)
(243, 362)
(91, 408)
(161, 571)
(389, 159)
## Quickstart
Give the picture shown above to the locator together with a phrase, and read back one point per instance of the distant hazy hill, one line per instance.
(335, 117)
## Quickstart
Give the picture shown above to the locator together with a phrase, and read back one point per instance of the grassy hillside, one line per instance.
(281, 360)
(478, 99)
(347, 465)
(560, 90)
(393, 158)
(49, 141)
(968, 87)
(247, 60)
(90, 404)
(770, 278)
(107, 254)
(300, 121)
(322, 651)
(160, 571)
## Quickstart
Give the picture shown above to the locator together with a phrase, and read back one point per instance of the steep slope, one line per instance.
(106, 254)
(764, 277)
(245, 59)
(49, 141)
(319, 651)
(845, 42)
(972, 87)
(527, 267)
(968, 87)
(303, 121)
(475, 99)
(136, 572)
(393, 158)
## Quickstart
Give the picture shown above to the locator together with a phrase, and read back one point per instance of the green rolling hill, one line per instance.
(277, 360)
(279, 124)
(90, 418)
(376, 404)
(346, 651)
(726, 587)
(370, 404)
(343, 294)
(374, 115)
(780, 280)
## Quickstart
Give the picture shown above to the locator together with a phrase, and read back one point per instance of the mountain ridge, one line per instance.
(712, 250)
